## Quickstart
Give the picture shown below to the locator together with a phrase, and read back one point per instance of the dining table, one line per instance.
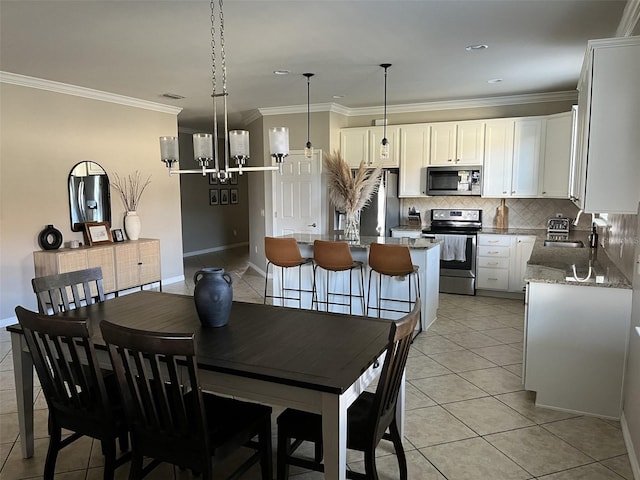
(309, 360)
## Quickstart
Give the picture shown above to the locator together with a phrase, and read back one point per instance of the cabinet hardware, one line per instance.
(312, 225)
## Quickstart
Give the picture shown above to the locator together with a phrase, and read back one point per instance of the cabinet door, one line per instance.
(72, 261)
(414, 157)
(376, 134)
(526, 157)
(521, 254)
(443, 144)
(354, 145)
(149, 261)
(470, 143)
(127, 275)
(104, 258)
(557, 156)
(498, 158)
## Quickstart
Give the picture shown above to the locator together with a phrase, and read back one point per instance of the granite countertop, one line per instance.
(364, 242)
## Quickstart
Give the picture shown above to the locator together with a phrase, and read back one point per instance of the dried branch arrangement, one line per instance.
(348, 192)
(130, 189)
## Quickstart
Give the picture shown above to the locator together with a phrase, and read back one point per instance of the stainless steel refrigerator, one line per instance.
(383, 211)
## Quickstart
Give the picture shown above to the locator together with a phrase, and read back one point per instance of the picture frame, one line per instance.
(233, 196)
(117, 234)
(213, 179)
(214, 196)
(224, 196)
(97, 233)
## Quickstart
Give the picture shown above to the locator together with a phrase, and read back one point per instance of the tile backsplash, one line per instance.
(620, 240)
(523, 212)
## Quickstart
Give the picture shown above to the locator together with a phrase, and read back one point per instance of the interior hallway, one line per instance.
(468, 417)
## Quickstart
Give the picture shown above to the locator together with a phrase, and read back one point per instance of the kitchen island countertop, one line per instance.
(364, 242)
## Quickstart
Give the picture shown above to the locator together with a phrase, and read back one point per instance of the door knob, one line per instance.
(312, 225)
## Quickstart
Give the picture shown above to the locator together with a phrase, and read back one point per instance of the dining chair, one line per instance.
(79, 398)
(285, 253)
(83, 285)
(196, 429)
(368, 418)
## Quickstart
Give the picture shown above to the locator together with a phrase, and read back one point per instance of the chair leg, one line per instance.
(52, 452)
(397, 444)
(266, 282)
(109, 452)
(123, 441)
(264, 440)
(282, 460)
(370, 464)
(135, 472)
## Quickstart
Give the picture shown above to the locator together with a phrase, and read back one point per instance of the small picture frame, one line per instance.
(117, 234)
(234, 179)
(97, 233)
(214, 196)
(224, 197)
(213, 179)
(234, 196)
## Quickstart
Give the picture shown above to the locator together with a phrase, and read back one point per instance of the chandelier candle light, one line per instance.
(236, 142)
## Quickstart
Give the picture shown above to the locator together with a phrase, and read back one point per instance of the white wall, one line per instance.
(42, 135)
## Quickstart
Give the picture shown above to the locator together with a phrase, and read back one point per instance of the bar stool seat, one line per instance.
(392, 261)
(285, 253)
(335, 257)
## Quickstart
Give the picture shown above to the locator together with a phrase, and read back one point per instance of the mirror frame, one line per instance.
(92, 169)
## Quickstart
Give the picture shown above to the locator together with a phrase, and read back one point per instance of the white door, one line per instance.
(297, 195)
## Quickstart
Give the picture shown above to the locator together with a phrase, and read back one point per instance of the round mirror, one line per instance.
(89, 195)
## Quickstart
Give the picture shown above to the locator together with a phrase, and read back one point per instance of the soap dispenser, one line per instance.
(593, 237)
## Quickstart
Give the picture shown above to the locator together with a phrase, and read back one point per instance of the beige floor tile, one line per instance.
(461, 361)
(445, 326)
(471, 339)
(591, 435)
(418, 467)
(493, 380)
(593, 471)
(523, 402)
(473, 459)
(516, 369)
(482, 323)
(7, 381)
(448, 388)
(6, 363)
(487, 415)
(434, 344)
(505, 335)
(5, 449)
(538, 451)
(620, 465)
(434, 425)
(500, 354)
(415, 398)
(8, 428)
(421, 366)
(8, 402)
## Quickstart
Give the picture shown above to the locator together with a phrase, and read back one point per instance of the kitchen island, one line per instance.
(577, 323)
(425, 253)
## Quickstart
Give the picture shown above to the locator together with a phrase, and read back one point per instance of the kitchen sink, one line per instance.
(564, 243)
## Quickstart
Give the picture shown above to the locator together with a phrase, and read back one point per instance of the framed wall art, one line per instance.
(97, 233)
(234, 179)
(213, 179)
(234, 196)
(224, 197)
(214, 196)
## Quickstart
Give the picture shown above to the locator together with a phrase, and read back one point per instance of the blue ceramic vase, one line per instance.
(213, 295)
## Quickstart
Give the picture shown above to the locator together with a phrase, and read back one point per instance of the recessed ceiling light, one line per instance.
(172, 96)
(281, 72)
(338, 96)
(494, 80)
(474, 48)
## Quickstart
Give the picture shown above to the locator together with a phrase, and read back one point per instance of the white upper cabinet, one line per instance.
(363, 143)
(414, 158)
(498, 158)
(527, 139)
(554, 175)
(608, 141)
(457, 143)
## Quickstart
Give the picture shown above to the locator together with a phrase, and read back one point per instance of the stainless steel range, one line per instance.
(458, 231)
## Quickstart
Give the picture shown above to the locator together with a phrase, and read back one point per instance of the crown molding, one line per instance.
(313, 108)
(630, 18)
(64, 88)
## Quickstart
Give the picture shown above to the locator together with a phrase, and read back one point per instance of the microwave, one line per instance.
(461, 180)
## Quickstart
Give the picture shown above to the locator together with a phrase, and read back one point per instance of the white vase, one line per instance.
(132, 225)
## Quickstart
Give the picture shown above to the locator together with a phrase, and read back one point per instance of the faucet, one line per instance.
(577, 219)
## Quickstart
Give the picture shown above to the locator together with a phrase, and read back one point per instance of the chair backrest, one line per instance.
(165, 424)
(386, 396)
(54, 290)
(283, 252)
(391, 260)
(65, 360)
(333, 256)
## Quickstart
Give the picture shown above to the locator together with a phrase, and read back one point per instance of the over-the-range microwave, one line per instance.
(458, 180)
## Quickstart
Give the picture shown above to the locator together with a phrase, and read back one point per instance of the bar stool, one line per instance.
(335, 257)
(392, 261)
(285, 253)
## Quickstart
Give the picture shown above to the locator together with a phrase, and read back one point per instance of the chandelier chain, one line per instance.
(223, 57)
(213, 48)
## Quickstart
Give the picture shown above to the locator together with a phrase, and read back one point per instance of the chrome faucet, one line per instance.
(577, 219)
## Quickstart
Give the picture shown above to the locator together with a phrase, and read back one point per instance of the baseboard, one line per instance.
(499, 294)
(633, 459)
(259, 270)
(214, 249)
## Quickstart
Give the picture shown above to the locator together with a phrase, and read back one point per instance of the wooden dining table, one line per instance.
(313, 361)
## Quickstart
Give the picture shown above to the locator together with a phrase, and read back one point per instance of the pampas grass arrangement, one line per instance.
(130, 189)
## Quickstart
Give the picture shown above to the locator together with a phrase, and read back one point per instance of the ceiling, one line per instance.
(145, 48)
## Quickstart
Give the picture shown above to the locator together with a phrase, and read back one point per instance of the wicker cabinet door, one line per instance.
(104, 258)
(149, 261)
(72, 261)
(127, 270)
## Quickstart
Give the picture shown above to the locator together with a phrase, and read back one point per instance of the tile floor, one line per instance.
(468, 416)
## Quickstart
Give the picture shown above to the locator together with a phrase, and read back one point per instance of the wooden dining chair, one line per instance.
(368, 418)
(79, 398)
(194, 430)
(64, 291)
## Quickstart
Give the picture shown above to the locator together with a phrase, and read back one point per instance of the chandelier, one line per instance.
(236, 142)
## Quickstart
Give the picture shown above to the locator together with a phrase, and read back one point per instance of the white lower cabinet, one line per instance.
(502, 260)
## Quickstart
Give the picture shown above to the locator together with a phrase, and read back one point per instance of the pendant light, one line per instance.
(236, 142)
(384, 145)
(308, 149)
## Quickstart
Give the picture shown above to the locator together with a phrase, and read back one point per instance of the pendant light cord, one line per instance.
(385, 66)
(308, 75)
